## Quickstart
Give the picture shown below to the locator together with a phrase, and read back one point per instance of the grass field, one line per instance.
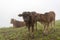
(22, 33)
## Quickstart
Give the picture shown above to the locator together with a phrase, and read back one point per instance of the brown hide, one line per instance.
(17, 23)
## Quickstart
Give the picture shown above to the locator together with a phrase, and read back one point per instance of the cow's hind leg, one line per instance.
(44, 28)
(47, 29)
(36, 26)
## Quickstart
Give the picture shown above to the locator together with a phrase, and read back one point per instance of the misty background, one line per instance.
(11, 8)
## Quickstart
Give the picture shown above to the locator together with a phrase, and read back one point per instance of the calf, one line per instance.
(46, 19)
(29, 19)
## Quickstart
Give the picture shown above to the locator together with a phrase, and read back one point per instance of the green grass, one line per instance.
(22, 33)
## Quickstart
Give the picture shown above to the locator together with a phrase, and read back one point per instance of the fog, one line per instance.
(11, 8)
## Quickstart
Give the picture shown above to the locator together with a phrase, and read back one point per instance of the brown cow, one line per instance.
(17, 24)
(46, 19)
(50, 16)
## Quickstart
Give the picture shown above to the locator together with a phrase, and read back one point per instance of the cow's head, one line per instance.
(12, 21)
(46, 12)
(26, 16)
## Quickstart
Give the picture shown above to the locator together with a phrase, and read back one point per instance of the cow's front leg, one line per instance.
(29, 30)
(32, 31)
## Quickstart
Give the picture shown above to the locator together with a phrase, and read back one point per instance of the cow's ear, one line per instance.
(20, 15)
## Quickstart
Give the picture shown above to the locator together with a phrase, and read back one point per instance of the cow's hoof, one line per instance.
(32, 37)
(45, 34)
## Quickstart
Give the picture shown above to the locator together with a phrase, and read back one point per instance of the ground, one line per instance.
(22, 33)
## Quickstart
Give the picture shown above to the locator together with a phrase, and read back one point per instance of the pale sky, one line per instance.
(11, 8)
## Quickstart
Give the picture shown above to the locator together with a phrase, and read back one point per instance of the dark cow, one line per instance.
(17, 24)
(29, 19)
